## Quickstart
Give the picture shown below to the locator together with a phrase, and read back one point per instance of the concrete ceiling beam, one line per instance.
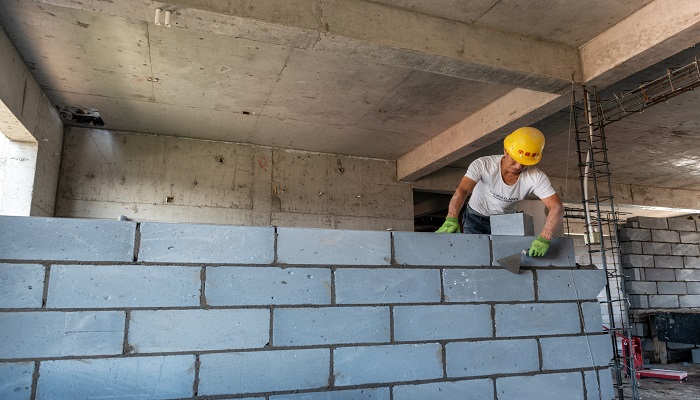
(652, 34)
(519, 107)
(370, 31)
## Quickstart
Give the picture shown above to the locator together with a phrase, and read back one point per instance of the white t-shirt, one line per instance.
(492, 196)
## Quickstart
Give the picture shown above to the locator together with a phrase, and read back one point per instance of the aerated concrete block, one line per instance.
(428, 248)
(668, 261)
(688, 274)
(119, 286)
(689, 301)
(560, 254)
(632, 234)
(133, 377)
(516, 224)
(637, 261)
(592, 317)
(161, 331)
(665, 236)
(479, 285)
(672, 288)
(333, 247)
(476, 389)
(663, 301)
(442, 322)
(568, 385)
(599, 384)
(22, 285)
(330, 325)
(653, 223)
(642, 288)
(59, 334)
(663, 249)
(690, 237)
(693, 287)
(16, 380)
(489, 357)
(685, 249)
(658, 274)
(214, 244)
(681, 224)
(570, 284)
(691, 262)
(357, 394)
(536, 319)
(249, 286)
(66, 239)
(263, 371)
(386, 364)
(576, 352)
(387, 285)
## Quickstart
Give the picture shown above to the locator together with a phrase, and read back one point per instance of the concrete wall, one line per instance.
(661, 257)
(102, 308)
(155, 178)
(29, 120)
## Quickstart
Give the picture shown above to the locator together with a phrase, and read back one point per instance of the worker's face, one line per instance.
(511, 165)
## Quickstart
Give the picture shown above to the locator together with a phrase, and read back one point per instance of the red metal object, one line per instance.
(662, 374)
(638, 360)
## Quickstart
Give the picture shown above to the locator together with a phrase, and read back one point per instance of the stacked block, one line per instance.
(661, 258)
(195, 311)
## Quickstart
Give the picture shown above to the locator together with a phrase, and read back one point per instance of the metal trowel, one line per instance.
(512, 263)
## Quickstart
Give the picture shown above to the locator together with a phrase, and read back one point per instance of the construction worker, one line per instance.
(498, 183)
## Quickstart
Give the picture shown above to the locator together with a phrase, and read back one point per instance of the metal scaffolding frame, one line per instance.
(590, 115)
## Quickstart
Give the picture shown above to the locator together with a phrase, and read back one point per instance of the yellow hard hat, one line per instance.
(525, 145)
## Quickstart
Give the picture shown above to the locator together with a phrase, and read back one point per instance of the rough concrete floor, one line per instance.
(662, 389)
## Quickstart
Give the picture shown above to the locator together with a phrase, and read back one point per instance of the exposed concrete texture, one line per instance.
(30, 160)
(151, 178)
(17, 168)
(641, 39)
(317, 330)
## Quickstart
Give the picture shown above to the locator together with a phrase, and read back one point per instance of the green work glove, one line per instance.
(451, 225)
(539, 247)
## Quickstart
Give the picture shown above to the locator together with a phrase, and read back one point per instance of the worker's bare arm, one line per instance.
(463, 191)
(555, 215)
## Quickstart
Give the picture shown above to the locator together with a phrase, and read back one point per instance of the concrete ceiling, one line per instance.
(430, 84)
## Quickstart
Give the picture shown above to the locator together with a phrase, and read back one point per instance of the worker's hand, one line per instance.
(451, 225)
(539, 247)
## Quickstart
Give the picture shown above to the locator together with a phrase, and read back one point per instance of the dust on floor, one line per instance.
(663, 389)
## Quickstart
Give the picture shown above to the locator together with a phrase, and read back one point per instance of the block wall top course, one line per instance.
(424, 248)
(652, 223)
(333, 247)
(66, 239)
(561, 251)
(682, 224)
(215, 244)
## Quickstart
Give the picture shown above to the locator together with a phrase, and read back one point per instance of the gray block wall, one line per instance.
(119, 309)
(661, 262)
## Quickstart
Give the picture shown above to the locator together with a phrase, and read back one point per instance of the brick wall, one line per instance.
(661, 260)
(92, 308)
